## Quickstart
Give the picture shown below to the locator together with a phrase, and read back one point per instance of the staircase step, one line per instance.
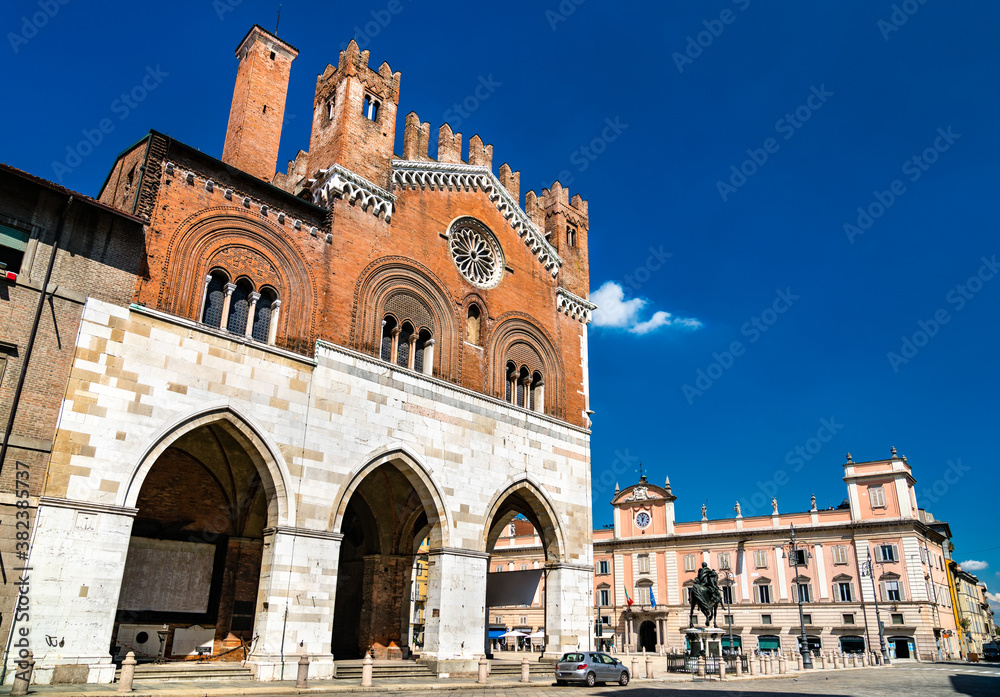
(181, 672)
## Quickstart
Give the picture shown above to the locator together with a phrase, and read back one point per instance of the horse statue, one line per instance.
(706, 596)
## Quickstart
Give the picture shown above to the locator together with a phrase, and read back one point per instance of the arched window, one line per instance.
(419, 352)
(472, 325)
(215, 299)
(239, 307)
(522, 385)
(263, 313)
(404, 347)
(388, 338)
(510, 382)
(537, 394)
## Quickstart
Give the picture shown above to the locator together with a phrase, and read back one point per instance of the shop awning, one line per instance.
(496, 633)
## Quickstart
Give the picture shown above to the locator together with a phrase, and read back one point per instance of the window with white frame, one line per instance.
(797, 557)
(602, 566)
(760, 559)
(762, 593)
(877, 496)
(524, 619)
(370, 108)
(605, 596)
(802, 590)
(848, 618)
(893, 591)
(724, 560)
(886, 553)
(689, 562)
(643, 563)
(840, 554)
(643, 593)
(727, 594)
(844, 591)
(498, 568)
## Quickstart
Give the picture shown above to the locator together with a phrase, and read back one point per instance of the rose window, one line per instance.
(477, 254)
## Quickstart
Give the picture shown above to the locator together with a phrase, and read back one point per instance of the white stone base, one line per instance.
(268, 668)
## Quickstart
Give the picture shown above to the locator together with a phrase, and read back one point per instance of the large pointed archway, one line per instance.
(388, 511)
(204, 494)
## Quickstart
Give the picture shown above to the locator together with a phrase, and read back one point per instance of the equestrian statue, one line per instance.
(706, 596)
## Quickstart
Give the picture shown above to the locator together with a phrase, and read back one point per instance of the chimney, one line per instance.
(254, 130)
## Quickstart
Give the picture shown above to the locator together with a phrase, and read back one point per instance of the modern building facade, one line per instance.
(306, 375)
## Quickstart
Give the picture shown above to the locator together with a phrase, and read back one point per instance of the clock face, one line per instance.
(642, 519)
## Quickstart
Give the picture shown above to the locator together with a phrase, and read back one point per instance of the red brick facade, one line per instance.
(339, 268)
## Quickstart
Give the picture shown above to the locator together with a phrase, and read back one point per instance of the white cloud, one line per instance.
(973, 565)
(614, 311)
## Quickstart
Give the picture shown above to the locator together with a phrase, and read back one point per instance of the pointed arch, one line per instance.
(419, 476)
(260, 448)
(523, 495)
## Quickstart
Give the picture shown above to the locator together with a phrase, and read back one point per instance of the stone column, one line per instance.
(429, 357)
(567, 619)
(411, 354)
(295, 602)
(77, 561)
(230, 287)
(254, 297)
(540, 396)
(204, 299)
(272, 331)
(393, 353)
(456, 610)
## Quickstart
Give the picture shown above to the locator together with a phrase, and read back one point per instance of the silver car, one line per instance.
(590, 667)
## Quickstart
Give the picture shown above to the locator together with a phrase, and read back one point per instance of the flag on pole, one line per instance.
(652, 597)
(628, 600)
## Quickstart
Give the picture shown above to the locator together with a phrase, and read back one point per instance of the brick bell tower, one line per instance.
(354, 117)
(258, 109)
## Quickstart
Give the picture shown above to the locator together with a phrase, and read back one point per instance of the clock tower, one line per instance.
(644, 509)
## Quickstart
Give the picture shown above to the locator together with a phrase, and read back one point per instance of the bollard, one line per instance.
(484, 669)
(798, 662)
(822, 660)
(739, 666)
(722, 668)
(525, 670)
(128, 673)
(649, 667)
(752, 665)
(635, 667)
(701, 666)
(302, 677)
(854, 660)
(769, 666)
(366, 671)
(22, 676)
(782, 665)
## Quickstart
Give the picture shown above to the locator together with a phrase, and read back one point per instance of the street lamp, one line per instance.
(869, 569)
(803, 642)
(729, 609)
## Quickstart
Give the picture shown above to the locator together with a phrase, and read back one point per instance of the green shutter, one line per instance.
(13, 238)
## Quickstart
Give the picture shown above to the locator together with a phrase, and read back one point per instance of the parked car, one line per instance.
(590, 668)
(991, 651)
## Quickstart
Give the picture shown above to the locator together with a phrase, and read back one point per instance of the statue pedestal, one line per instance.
(704, 641)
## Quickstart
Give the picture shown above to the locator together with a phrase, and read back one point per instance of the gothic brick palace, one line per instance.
(317, 370)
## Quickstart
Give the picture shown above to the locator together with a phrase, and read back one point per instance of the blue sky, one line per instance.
(723, 147)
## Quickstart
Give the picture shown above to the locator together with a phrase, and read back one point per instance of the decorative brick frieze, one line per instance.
(457, 176)
(574, 306)
(340, 182)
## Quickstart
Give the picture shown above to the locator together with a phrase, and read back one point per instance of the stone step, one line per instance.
(182, 671)
(352, 670)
